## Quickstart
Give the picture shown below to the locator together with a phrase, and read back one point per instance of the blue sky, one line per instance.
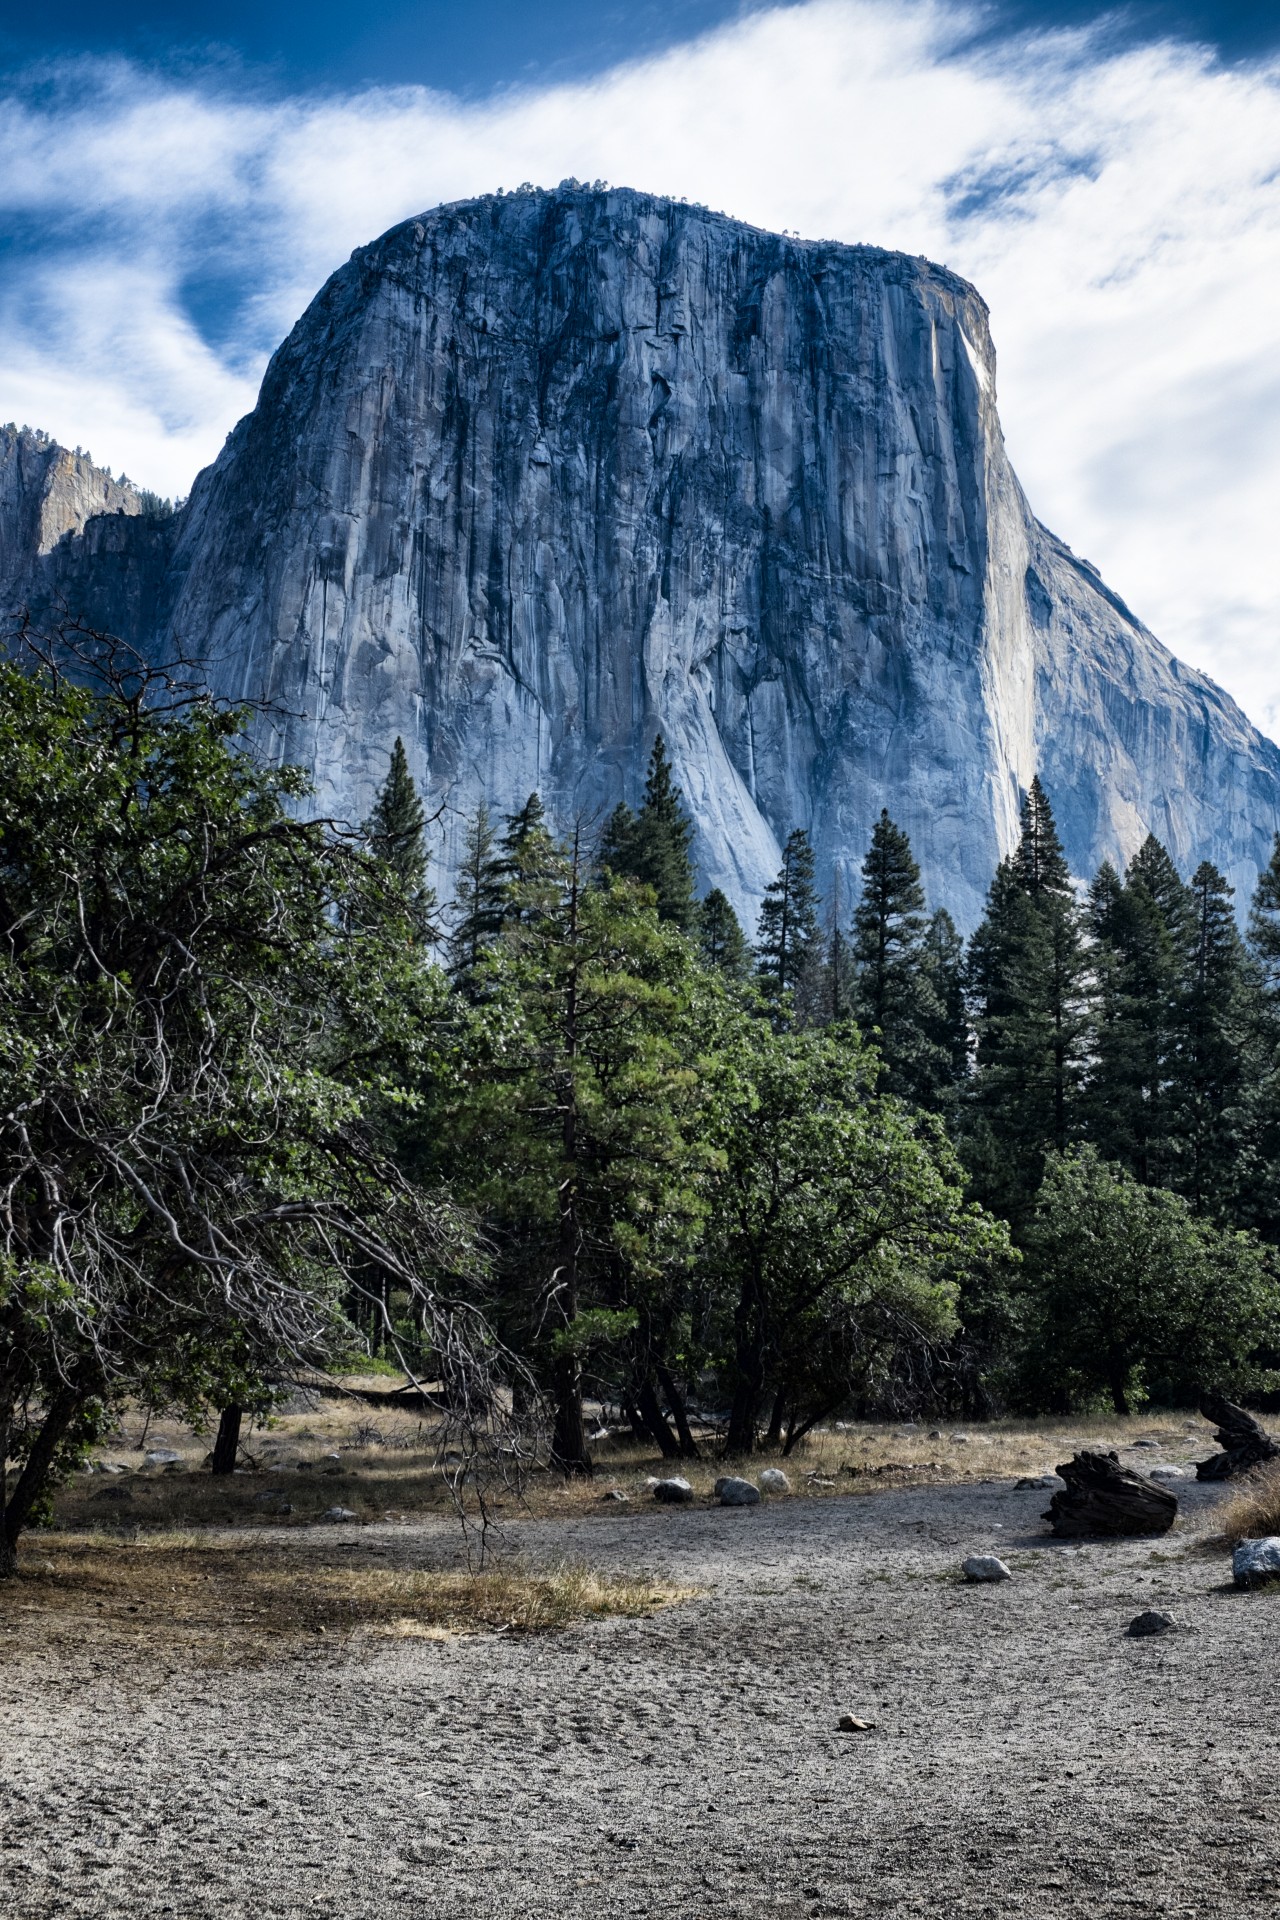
(177, 181)
(476, 45)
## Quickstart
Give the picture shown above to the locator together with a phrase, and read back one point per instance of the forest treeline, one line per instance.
(579, 1136)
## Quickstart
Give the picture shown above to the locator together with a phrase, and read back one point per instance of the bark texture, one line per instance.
(1102, 1497)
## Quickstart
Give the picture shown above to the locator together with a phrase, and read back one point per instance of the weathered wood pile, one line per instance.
(1244, 1442)
(1101, 1496)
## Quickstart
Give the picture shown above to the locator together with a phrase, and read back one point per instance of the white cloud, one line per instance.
(1120, 212)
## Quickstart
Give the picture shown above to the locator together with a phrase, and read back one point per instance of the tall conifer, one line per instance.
(1142, 933)
(1210, 1042)
(396, 834)
(654, 845)
(720, 936)
(788, 938)
(480, 904)
(1029, 981)
(894, 995)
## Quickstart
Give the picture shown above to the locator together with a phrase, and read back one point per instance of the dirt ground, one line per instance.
(1027, 1758)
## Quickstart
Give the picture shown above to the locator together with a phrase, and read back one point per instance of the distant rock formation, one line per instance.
(537, 475)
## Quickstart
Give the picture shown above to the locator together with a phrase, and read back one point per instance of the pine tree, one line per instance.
(1029, 980)
(396, 834)
(894, 997)
(1210, 1048)
(1257, 1200)
(480, 905)
(617, 842)
(529, 869)
(721, 938)
(1039, 864)
(1142, 934)
(654, 845)
(948, 1030)
(788, 938)
(837, 973)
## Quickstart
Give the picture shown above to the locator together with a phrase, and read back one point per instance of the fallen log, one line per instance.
(1102, 1497)
(1244, 1442)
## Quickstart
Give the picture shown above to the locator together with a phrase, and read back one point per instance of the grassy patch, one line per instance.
(381, 1463)
(1253, 1511)
(170, 1592)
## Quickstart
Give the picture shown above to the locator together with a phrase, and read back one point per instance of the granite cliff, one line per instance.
(536, 475)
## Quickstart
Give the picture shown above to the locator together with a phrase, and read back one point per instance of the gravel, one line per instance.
(1028, 1758)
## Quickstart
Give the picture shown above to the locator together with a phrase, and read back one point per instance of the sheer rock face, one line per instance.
(536, 476)
(46, 492)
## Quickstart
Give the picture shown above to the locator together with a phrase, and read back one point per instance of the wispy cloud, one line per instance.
(1120, 211)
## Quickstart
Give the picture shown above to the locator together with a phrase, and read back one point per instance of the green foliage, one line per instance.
(788, 938)
(838, 1232)
(1029, 984)
(483, 896)
(203, 1001)
(898, 979)
(1129, 1293)
(721, 940)
(396, 835)
(654, 845)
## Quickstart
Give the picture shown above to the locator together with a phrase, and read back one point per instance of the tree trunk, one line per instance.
(227, 1444)
(654, 1422)
(1245, 1442)
(741, 1437)
(773, 1437)
(1102, 1497)
(679, 1413)
(34, 1479)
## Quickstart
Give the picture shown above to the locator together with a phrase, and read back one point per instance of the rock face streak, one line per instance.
(537, 475)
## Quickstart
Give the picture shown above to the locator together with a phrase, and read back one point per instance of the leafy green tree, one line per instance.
(721, 940)
(201, 1000)
(396, 834)
(838, 1227)
(571, 1118)
(482, 899)
(895, 998)
(654, 846)
(789, 939)
(1029, 983)
(1130, 1293)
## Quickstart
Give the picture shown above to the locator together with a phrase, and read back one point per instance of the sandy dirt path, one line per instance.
(1028, 1757)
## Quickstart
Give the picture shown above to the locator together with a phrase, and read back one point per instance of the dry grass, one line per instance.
(381, 1466)
(1253, 1511)
(163, 1593)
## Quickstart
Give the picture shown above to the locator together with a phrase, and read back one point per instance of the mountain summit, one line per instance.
(540, 474)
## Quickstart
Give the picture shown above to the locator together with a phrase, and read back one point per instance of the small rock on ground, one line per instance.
(732, 1492)
(337, 1513)
(850, 1723)
(1255, 1562)
(774, 1480)
(674, 1492)
(985, 1567)
(1151, 1622)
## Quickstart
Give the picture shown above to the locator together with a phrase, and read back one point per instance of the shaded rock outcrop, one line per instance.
(537, 475)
